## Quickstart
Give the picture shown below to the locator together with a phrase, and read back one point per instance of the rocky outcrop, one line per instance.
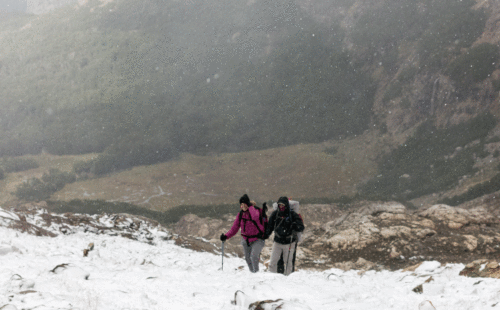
(35, 219)
(361, 236)
(458, 217)
(396, 238)
(482, 268)
(375, 235)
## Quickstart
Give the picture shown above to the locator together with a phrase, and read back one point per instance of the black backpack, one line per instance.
(283, 226)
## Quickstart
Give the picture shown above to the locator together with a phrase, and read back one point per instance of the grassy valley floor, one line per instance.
(325, 170)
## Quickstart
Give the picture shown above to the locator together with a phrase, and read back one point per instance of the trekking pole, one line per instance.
(288, 256)
(222, 268)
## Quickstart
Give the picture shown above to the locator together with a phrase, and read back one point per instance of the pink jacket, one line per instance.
(249, 231)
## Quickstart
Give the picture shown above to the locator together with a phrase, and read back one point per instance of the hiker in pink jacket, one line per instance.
(251, 220)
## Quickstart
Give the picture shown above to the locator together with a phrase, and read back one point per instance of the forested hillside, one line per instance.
(168, 76)
(142, 81)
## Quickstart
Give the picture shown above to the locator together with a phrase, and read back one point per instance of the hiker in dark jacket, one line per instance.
(251, 221)
(283, 222)
(294, 206)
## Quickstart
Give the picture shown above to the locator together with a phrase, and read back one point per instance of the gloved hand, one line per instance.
(223, 238)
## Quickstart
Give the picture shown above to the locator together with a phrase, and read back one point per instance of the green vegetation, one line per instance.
(405, 103)
(167, 217)
(476, 191)
(172, 215)
(139, 83)
(474, 66)
(496, 85)
(16, 164)
(380, 30)
(41, 189)
(407, 74)
(428, 161)
(394, 90)
(451, 25)
(436, 25)
(331, 150)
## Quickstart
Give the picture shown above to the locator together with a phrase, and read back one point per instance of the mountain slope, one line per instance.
(120, 272)
(146, 82)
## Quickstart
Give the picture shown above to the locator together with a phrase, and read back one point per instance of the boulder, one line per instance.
(457, 217)
(375, 209)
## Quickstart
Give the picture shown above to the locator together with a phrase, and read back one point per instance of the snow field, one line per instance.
(125, 274)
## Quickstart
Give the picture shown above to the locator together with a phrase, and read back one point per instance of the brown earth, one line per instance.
(301, 171)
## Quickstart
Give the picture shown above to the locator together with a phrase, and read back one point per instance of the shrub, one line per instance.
(169, 216)
(331, 150)
(450, 23)
(476, 191)
(405, 103)
(58, 178)
(41, 189)
(394, 90)
(496, 85)
(13, 164)
(407, 75)
(422, 164)
(381, 28)
(474, 66)
(80, 167)
(34, 190)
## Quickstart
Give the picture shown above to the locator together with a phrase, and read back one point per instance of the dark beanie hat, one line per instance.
(284, 200)
(244, 199)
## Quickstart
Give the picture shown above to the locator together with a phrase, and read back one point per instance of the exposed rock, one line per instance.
(362, 236)
(386, 234)
(458, 217)
(88, 249)
(470, 242)
(33, 219)
(375, 209)
(392, 240)
(360, 264)
(394, 253)
(363, 264)
(244, 301)
(412, 268)
(206, 228)
(482, 268)
(395, 231)
(419, 289)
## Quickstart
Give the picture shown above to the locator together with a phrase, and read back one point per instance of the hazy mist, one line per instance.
(13, 5)
(141, 82)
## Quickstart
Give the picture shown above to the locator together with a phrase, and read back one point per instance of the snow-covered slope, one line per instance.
(43, 272)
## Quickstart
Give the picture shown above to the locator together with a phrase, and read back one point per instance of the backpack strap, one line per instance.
(261, 233)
